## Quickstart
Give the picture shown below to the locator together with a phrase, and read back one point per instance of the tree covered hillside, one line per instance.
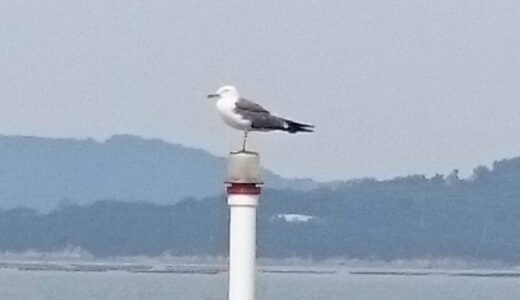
(408, 217)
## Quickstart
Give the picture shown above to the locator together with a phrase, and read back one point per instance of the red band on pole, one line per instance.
(243, 189)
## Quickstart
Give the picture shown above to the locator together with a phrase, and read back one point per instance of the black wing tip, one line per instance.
(293, 127)
(303, 130)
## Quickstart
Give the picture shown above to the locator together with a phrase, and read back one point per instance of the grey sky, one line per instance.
(393, 87)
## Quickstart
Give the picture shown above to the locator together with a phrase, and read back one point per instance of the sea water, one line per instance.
(120, 285)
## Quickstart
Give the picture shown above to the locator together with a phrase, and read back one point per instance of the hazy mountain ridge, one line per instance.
(405, 218)
(42, 172)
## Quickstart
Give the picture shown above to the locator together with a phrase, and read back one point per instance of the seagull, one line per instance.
(246, 115)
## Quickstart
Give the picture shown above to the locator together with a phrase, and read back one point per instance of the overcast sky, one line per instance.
(393, 87)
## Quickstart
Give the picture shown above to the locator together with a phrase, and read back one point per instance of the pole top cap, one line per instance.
(244, 167)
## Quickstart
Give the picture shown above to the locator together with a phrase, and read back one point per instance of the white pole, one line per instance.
(242, 246)
(244, 175)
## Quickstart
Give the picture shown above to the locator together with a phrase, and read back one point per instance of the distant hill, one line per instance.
(43, 172)
(403, 218)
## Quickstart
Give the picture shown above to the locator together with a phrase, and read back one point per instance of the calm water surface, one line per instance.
(56, 285)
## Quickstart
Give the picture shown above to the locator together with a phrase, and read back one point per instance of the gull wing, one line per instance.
(262, 120)
(260, 117)
(250, 106)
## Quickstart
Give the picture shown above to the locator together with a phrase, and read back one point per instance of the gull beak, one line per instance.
(211, 96)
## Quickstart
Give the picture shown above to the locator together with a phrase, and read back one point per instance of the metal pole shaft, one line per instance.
(242, 246)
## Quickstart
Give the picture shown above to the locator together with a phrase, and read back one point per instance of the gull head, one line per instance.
(225, 92)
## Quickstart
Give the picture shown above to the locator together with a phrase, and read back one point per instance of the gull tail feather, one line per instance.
(293, 127)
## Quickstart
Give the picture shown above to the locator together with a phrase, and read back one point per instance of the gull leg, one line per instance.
(244, 142)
